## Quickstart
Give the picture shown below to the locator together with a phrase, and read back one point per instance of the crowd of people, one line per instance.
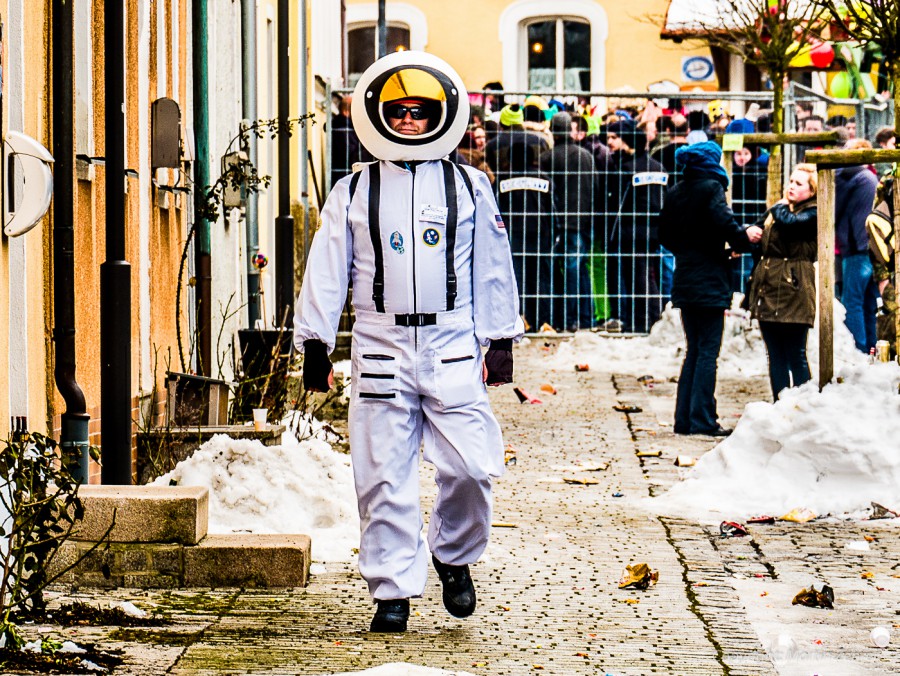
(581, 195)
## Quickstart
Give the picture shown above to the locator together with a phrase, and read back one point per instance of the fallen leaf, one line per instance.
(632, 602)
(627, 408)
(580, 480)
(799, 515)
(867, 575)
(638, 576)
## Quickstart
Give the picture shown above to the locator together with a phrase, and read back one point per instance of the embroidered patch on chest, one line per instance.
(431, 237)
(500, 223)
(397, 242)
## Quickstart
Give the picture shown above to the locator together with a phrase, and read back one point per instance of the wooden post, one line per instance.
(825, 202)
(896, 279)
(728, 161)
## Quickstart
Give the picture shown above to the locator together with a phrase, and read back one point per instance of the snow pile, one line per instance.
(660, 353)
(298, 487)
(833, 452)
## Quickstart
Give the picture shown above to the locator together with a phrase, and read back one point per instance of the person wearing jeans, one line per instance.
(695, 223)
(783, 284)
(854, 196)
(573, 248)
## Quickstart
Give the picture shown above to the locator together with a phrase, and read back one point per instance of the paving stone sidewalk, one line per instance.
(548, 595)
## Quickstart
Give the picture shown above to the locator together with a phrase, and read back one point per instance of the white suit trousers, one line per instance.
(409, 385)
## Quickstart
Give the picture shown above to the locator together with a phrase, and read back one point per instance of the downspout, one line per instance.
(248, 80)
(284, 223)
(74, 439)
(304, 132)
(115, 272)
(202, 250)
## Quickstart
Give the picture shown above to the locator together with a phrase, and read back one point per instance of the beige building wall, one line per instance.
(24, 279)
(467, 34)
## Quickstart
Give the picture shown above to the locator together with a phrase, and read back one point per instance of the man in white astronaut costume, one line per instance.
(424, 246)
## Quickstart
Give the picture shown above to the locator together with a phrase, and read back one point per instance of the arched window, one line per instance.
(362, 47)
(559, 45)
(407, 29)
(559, 55)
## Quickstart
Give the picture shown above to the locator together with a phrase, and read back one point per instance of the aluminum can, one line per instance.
(883, 351)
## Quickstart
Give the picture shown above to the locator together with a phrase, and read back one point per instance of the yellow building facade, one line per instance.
(595, 45)
(156, 219)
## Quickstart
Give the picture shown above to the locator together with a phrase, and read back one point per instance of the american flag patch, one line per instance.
(500, 223)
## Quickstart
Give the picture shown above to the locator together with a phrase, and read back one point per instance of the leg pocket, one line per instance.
(375, 374)
(458, 376)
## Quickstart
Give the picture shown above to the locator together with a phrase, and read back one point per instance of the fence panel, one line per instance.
(581, 218)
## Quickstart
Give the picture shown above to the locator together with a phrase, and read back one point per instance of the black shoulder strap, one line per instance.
(353, 183)
(468, 181)
(375, 232)
(452, 222)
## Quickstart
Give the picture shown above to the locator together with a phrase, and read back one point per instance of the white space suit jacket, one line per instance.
(412, 232)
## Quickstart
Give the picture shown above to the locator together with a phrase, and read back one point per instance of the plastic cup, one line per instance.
(259, 418)
(881, 636)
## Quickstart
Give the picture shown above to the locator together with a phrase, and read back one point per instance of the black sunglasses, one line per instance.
(399, 111)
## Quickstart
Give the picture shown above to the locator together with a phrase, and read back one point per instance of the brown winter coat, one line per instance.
(783, 283)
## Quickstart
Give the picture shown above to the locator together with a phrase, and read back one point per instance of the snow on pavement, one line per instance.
(298, 487)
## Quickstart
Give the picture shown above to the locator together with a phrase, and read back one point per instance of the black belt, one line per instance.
(418, 319)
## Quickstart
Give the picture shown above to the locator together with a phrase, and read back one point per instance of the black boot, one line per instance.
(459, 591)
(391, 616)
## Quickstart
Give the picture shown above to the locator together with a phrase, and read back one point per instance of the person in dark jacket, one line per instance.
(748, 201)
(507, 151)
(571, 168)
(783, 284)
(695, 224)
(854, 196)
(525, 200)
(632, 189)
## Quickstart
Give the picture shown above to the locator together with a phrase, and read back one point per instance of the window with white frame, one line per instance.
(560, 49)
(362, 47)
(559, 54)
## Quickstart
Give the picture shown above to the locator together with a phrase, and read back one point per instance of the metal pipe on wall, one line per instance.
(248, 92)
(284, 223)
(382, 28)
(304, 133)
(115, 271)
(202, 248)
(74, 439)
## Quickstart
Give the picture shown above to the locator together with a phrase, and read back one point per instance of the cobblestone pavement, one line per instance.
(548, 595)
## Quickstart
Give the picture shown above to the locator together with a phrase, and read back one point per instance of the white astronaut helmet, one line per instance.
(417, 79)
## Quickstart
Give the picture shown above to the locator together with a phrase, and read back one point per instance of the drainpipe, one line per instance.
(382, 29)
(248, 80)
(115, 272)
(74, 440)
(284, 224)
(304, 132)
(202, 249)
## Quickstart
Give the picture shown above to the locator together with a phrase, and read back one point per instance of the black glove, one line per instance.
(316, 366)
(499, 362)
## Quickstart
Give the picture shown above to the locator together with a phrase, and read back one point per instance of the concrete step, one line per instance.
(248, 560)
(144, 514)
(240, 560)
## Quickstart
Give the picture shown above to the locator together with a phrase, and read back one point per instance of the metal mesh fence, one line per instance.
(580, 208)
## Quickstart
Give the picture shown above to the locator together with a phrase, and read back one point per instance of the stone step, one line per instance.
(239, 560)
(248, 560)
(144, 514)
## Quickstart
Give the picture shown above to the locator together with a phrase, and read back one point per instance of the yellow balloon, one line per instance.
(841, 86)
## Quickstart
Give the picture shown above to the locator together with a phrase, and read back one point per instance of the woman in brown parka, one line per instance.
(783, 283)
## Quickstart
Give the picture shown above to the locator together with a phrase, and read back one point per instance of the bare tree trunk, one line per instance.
(775, 183)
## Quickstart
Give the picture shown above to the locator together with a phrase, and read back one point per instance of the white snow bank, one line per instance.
(660, 353)
(833, 452)
(298, 487)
